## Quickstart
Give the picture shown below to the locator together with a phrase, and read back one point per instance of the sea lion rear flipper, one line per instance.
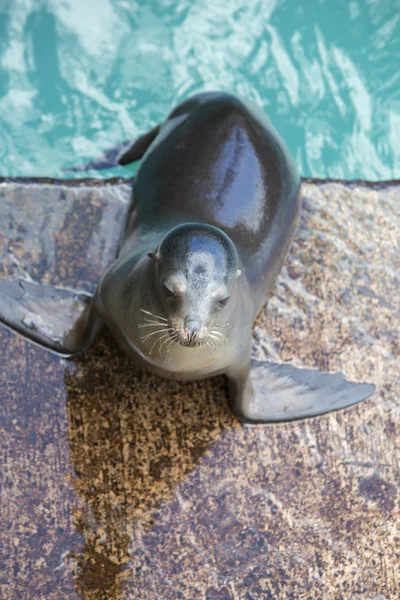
(283, 392)
(122, 154)
(107, 160)
(61, 320)
(139, 147)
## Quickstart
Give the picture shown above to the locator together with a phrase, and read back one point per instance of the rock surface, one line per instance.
(116, 484)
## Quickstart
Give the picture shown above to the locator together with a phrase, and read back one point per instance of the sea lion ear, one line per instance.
(153, 255)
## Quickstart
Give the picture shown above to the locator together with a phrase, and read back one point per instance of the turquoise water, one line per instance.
(77, 76)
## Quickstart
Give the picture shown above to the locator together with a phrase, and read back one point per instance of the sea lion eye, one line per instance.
(223, 301)
(167, 292)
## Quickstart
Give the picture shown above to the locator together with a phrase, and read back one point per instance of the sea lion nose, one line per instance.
(192, 328)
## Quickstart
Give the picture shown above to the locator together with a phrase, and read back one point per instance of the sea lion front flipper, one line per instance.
(139, 147)
(61, 320)
(283, 392)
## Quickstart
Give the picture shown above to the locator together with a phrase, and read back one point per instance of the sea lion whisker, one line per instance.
(149, 324)
(213, 335)
(210, 343)
(147, 320)
(164, 342)
(216, 340)
(175, 339)
(155, 320)
(149, 335)
(153, 332)
(158, 340)
(172, 341)
(153, 315)
(222, 339)
(219, 335)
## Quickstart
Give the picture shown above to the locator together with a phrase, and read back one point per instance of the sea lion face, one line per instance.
(196, 270)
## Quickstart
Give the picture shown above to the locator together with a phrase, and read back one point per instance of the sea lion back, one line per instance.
(218, 160)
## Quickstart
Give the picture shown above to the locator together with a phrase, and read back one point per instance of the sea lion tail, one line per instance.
(122, 154)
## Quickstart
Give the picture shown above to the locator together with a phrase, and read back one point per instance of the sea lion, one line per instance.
(215, 205)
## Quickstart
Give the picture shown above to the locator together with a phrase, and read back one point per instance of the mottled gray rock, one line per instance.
(117, 484)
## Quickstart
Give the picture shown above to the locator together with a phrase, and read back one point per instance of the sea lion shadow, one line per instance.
(133, 438)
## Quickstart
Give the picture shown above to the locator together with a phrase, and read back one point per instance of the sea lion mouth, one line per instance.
(162, 335)
(211, 339)
(192, 343)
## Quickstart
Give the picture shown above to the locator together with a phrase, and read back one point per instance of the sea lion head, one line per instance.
(196, 269)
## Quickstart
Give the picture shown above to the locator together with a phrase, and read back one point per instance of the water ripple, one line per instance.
(78, 77)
